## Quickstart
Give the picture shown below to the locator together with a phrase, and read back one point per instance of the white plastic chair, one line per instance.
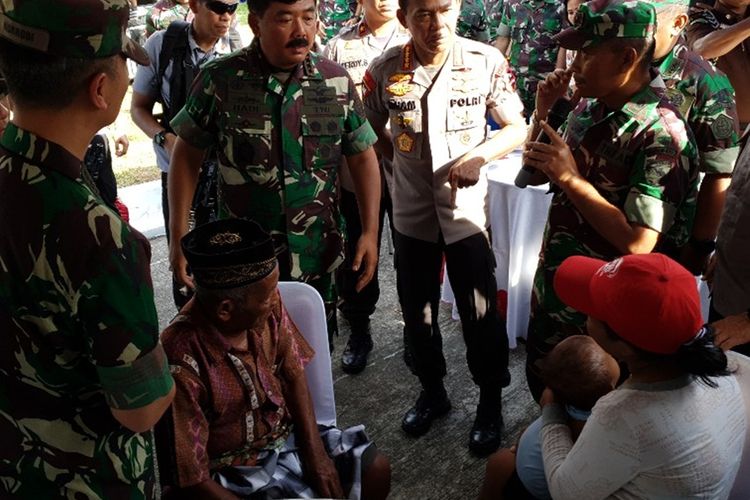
(306, 309)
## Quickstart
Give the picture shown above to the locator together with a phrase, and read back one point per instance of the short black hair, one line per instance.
(578, 371)
(40, 80)
(259, 7)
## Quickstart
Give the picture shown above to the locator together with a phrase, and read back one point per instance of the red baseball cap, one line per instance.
(648, 299)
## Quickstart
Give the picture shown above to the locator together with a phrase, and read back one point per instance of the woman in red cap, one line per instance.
(677, 427)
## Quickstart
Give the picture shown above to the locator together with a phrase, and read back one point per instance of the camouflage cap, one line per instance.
(87, 29)
(601, 20)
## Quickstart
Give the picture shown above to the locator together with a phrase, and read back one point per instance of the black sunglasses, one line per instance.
(222, 8)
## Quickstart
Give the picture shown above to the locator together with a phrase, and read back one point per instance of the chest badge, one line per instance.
(404, 142)
(400, 84)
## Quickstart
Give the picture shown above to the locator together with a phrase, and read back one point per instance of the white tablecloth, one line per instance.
(517, 218)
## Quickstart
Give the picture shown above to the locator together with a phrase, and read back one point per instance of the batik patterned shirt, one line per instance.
(229, 406)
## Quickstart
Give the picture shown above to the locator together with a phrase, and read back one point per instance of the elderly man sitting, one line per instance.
(242, 419)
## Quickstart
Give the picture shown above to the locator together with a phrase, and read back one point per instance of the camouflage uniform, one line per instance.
(472, 20)
(79, 327)
(279, 150)
(334, 14)
(163, 12)
(705, 98)
(530, 25)
(640, 158)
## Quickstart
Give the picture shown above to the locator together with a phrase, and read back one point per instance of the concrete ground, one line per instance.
(437, 465)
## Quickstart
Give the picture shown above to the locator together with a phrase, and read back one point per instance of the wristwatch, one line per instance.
(160, 137)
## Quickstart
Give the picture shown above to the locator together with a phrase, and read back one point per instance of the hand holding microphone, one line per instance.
(556, 117)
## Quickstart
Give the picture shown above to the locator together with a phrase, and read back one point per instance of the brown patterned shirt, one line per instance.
(229, 404)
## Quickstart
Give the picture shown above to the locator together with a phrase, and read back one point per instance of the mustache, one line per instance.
(297, 42)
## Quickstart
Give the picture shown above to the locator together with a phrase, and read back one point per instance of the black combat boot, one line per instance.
(354, 358)
(432, 403)
(486, 431)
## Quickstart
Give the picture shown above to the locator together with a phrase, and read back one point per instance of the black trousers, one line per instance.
(357, 307)
(471, 269)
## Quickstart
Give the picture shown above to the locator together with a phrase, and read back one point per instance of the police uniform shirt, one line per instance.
(356, 46)
(146, 83)
(434, 123)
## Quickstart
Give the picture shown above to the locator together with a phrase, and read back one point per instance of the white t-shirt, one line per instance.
(667, 440)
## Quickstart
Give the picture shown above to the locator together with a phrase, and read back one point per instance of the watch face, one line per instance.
(159, 139)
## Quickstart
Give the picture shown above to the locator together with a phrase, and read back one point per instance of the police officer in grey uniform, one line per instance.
(354, 48)
(435, 92)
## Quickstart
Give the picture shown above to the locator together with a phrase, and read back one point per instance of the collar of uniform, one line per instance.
(39, 151)
(363, 29)
(638, 107)
(644, 102)
(307, 70)
(221, 46)
(409, 62)
(670, 66)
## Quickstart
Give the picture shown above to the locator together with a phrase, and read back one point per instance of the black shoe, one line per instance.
(418, 419)
(485, 435)
(354, 358)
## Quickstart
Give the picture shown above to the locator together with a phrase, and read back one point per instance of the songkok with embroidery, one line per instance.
(229, 253)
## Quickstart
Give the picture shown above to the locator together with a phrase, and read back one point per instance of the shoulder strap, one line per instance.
(175, 38)
(235, 40)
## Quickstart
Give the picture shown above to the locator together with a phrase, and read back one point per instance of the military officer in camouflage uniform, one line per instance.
(334, 15)
(163, 12)
(525, 36)
(281, 119)
(473, 20)
(354, 48)
(705, 98)
(621, 170)
(83, 374)
(439, 198)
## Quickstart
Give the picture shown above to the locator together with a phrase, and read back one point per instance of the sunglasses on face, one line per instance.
(221, 8)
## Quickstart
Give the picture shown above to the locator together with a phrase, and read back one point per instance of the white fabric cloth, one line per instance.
(674, 439)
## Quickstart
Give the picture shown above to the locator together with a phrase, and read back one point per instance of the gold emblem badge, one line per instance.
(405, 142)
(401, 84)
(405, 121)
(465, 138)
(221, 239)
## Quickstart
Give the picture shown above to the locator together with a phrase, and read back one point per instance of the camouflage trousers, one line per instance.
(326, 287)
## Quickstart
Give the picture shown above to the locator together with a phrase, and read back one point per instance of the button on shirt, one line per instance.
(146, 76)
(401, 92)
